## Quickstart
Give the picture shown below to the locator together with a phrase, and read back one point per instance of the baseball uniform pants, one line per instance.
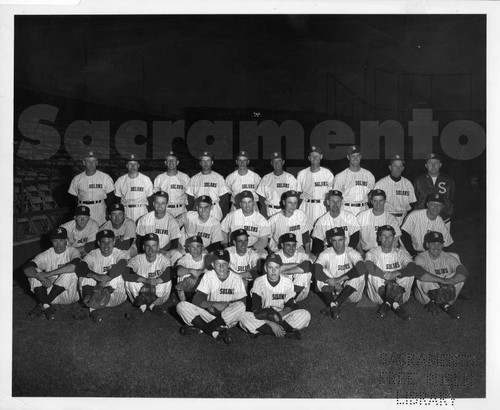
(231, 315)
(375, 282)
(422, 289)
(68, 281)
(162, 291)
(357, 283)
(297, 319)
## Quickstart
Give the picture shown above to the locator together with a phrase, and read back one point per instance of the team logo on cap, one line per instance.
(59, 230)
(288, 237)
(274, 258)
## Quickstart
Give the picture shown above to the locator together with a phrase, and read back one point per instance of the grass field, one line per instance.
(358, 356)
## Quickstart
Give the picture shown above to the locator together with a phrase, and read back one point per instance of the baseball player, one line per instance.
(243, 179)
(391, 273)
(399, 190)
(190, 268)
(243, 261)
(435, 182)
(340, 273)
(102, 267)
(174, 183)
(218, 303)
(161, 223)
(291, 220)
(273, 185)
(51, 275)
(134, 190)
(246, 217)
(421, 221)
(335, 217)
(296, 265)
(201, 223)
(211, 183)
(93, 188)
(81, 230)
(150, 270)
(371, 219)
(313, 183)
(123, 227)
(274, 310)
(445, 275)
(355, 183)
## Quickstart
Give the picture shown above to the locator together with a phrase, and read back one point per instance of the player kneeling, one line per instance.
(190, 268)
(147, 282)
(444, 279)
(340, 273)
(51, 276)
(218, 303)
(274, 309)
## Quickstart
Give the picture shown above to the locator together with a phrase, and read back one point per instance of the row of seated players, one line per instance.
(61, 275)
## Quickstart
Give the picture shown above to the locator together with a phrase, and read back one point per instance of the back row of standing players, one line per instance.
(329, 207)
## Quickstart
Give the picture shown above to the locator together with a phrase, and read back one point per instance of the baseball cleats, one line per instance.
(159, 310)
(37, 311)
(294, 335)
(402, 313)
(50, 313)
(452, 311)
(432, 307)
(335, 312)
(225, 336)
(186, 330)
(383, 309)
(96, 317)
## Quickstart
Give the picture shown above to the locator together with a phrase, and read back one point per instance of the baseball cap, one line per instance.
(377, 192)
(59, 233)
(274, 258)
(396, 157)
(171, 154)
(315, 148)
(194, 239)
(433, 156)
(245, 194)
(385, 228)
(106, 233)
(288, 237)
(82, 210)
(334, 192)
(132, 157)
(151, 237)
(162, 194)
(238, 232)
(276, 155)
(243, 154)
(222, 255)
(90, 155)
(206, 154)
(289, 194)
(116, 207)
(353, 149)
(336, 231)
(434, 236)
(204, 198)
(434, 198)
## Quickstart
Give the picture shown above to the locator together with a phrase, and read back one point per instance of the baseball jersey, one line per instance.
(79, 238)
(237, 183)
(102, 264)
(345, 220)
(142, 267)
(232, 288)
(417, 224)
(297, 224)
(272, 186)
(392, 261)
(314, 185)
(174, 185)
(255, 224)
(335, 265)
(91, 188)
(167, 228)
(444, 266)
(242, 263)
(212, 185)
(298, 257)
(368, 225)
(188, 262)
(400, 194)
(273, 296)
(49, 260)
(209, 231)
(134, 191)
(354, 186)
(124, 232)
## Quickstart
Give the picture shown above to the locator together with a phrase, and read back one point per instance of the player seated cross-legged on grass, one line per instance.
(51, 275)
(340, 273)
(296, 265)
(218, 303)
(147, 282)
(274, 309)
(100, 280)
(391, 273)
(445, 277)
(190, 268)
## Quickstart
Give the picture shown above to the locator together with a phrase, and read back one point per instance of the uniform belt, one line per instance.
(358, 204)
(314, 201)
(397, 214)
(90, 202)
(274, 206)
(174, 205)
(134, 206)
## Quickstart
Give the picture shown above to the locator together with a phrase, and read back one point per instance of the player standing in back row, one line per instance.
(242, 179)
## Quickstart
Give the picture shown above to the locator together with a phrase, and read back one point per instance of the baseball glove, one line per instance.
(393, 292)
(268, 314)
(189, 284)
(445, 294)
(99, 297)
(146, 295)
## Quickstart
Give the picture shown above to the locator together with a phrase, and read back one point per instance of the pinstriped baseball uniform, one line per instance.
(369, 223)
(271, 188)
(248, 182)
(93, 189)
(388, 262)
(297, 224)
(275, 297)
(167, 228)
(78, 238)
(229, 290)
(298, 279)
(417, 224)
(314, 186)
(188, 262)
(102, 264)
(48, 261)
(355, 187)
(335, 266)
(400, 195)
(345, 220)
(175, 186)
(242, 263)
(444, 266)
(209, 231)
(134, 193)
(212, 185)
(142, 267)
(124, 232)
(255, 224)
